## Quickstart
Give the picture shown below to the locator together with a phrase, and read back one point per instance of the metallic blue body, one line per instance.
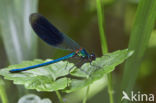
(44, 64)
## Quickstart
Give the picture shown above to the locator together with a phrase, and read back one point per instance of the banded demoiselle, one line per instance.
(51, 35)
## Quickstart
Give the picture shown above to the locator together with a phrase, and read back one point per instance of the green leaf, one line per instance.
(54, 77)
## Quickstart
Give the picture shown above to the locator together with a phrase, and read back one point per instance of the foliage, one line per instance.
(54, 77)
(139, 39)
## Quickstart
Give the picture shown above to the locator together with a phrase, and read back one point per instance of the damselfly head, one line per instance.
(92, 56)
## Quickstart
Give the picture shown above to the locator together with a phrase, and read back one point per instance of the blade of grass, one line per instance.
(9, 32)
(20, 43)
(101, 28)
(30, 6)
(141, 31)
(104, 46)
(3, 94)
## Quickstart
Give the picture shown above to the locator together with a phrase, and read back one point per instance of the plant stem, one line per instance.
(59, 97)
(87, 92)
(104, 46)
(110, 88)
(3, 95)
(101, 28)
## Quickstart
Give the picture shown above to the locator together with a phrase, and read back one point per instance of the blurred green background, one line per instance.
(78, 19)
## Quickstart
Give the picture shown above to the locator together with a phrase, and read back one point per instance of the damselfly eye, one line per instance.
(92, 56)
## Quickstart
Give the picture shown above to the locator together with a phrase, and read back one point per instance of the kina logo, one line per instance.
(140, 97)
